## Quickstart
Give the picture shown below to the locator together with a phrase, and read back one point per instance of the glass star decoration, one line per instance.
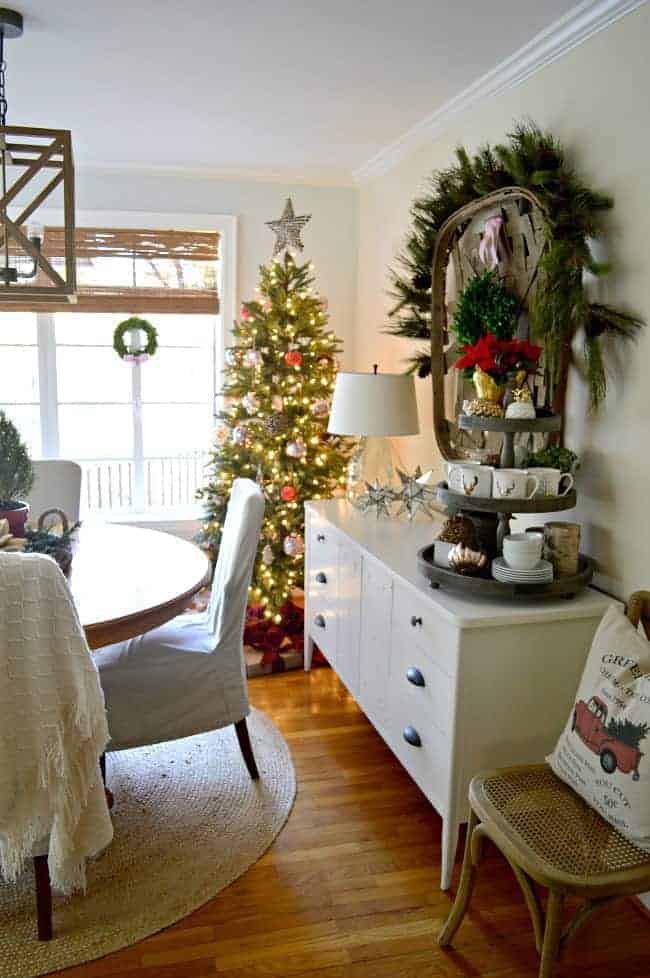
(287, 229)
(414, 496)
(376, 497)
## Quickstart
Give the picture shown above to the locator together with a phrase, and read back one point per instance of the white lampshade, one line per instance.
(371, 405)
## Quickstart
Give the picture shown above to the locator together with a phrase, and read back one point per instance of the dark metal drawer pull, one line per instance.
(320, 621)
(412, 737)
(416, 621)
(320, 537)
(321, 577)
(415, 676)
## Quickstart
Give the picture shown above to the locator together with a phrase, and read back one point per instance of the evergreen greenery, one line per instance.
(554, 457)
(485, 306)
(273, 428)
(573, 214)
(16, 471)
(135, 322)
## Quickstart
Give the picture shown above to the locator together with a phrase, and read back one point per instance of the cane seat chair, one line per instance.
(551, 838)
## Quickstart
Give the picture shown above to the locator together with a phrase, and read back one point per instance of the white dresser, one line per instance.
(453, 686)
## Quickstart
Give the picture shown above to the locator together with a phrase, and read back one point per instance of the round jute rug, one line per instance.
(188, 821)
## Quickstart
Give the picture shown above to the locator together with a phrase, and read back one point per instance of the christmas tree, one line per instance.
(273, 428)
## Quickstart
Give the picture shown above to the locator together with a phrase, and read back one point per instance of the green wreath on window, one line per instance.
(143, 353)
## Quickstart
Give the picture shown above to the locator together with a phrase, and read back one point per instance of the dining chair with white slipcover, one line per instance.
(57, 485)
(53, 732)
(188, 676)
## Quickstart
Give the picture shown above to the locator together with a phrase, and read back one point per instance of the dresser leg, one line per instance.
(450, 830)
(309, 651)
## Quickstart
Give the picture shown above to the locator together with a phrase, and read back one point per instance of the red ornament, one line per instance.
(288, 494)
(293, 358)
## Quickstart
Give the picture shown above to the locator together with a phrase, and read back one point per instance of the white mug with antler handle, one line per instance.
(514, 484)
(471, 479)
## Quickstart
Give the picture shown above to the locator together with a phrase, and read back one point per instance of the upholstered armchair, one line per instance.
(188, 676)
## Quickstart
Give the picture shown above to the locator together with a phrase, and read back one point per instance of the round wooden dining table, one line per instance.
(126, 580)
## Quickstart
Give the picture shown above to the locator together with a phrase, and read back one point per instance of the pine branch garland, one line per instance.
(573, 214)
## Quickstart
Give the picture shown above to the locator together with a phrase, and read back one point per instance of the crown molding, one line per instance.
(318, 177)
(576, 26)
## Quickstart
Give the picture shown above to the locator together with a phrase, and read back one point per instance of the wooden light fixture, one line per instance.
(33, 164)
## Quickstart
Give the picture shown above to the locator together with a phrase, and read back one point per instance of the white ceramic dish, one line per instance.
(541, 573)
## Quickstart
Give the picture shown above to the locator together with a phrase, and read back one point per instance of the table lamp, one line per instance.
(373, 407)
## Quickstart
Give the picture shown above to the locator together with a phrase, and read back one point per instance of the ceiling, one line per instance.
(303, 90)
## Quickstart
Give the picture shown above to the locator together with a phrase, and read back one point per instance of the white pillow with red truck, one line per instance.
(601, 751)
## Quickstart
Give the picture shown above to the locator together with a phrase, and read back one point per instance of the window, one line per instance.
(139, 430)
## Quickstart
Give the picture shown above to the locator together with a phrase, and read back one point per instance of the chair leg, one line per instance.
(246, 749)
(43, 898)
(552, 933)
(466, 885)
(110, 800)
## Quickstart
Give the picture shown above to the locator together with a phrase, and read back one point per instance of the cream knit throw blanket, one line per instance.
(52, 727)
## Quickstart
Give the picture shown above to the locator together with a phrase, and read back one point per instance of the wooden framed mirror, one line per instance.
(456, 260)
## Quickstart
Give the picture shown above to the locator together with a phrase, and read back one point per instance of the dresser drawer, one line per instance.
(422, 684)
(415, 622)
(323, 628)
(322, 542)
(426, 758)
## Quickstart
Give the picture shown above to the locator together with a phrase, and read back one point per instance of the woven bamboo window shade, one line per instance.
(137, 271)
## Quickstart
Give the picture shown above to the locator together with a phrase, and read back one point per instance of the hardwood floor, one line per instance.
(350, 887)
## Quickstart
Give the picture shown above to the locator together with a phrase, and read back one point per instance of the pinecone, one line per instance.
(459, 529)
(276, 423)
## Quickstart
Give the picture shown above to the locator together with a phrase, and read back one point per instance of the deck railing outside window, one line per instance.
(123, 485)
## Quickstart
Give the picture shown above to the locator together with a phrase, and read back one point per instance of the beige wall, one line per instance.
(596, 99)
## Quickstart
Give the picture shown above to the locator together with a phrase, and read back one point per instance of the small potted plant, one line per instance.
(492, 361)
(16, 477)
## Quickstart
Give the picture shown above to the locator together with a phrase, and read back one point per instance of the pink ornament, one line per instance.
(288, 494)
(320, 409)
(221, 434)
(293, 358)
(253, 358)
(296, 449)
(293, 545)
(245, 315)
(267, 305)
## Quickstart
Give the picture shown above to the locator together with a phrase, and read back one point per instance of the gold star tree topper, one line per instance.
(288, 228)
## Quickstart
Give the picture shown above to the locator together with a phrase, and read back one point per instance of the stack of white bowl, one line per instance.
(522, 560)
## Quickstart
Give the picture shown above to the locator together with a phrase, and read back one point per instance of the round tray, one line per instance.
(483, 504)
(488, 587)
(544, 422)
(509, 427)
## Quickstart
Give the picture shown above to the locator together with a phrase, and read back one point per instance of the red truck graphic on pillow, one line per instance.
(615, 741)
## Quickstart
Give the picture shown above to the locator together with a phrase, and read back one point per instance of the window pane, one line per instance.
(175, 429)
(185, 330)
(86, 328)
(95, 431)
(27, 419)
(19, 365)
(17, 327)
(92, 374)
(177, 375)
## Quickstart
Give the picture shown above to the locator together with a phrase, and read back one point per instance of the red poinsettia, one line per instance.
(499, 357)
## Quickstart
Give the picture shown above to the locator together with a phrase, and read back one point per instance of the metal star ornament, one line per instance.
(288, 229)
(414, 495)
(376, 497)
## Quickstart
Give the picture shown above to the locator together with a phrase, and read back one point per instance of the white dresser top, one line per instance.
(396, 544)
